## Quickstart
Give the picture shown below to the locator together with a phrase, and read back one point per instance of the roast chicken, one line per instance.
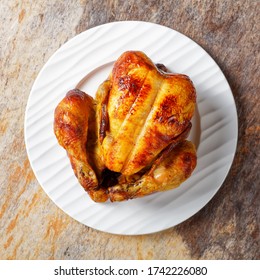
(130, 141)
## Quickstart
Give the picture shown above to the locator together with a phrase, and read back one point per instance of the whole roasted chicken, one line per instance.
(130, 141)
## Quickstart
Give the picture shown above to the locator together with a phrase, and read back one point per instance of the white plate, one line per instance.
(92, 53)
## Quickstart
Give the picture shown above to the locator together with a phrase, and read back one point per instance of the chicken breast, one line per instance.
(145, 110)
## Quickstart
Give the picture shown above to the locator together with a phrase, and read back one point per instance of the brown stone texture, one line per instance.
(32, 226)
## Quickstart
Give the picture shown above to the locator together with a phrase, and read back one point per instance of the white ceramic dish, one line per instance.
(92, 53)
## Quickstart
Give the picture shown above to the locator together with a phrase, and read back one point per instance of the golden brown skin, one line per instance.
(172, 168)
(71, 119)
(129, 141)
(146, 109)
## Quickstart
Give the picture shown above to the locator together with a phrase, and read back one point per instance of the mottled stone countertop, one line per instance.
(32, 226)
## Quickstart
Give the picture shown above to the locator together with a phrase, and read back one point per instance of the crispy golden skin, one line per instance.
(146, 109)
(71, 127)
(172, 168)
(129, 141)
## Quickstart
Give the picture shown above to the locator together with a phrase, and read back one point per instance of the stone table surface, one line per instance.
(32, 226)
